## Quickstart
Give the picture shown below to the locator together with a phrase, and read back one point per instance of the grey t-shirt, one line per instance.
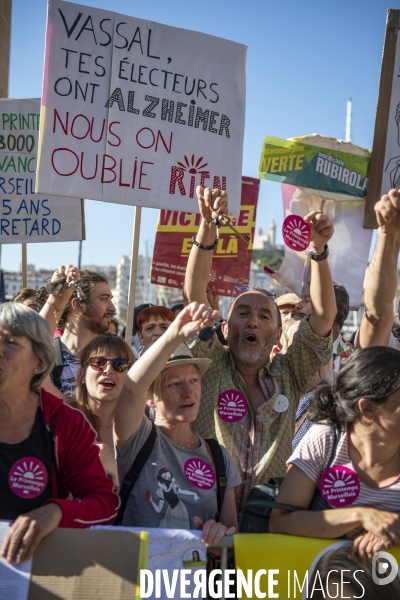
(175, 485)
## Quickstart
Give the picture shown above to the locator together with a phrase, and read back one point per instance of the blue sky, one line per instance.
(305, 59)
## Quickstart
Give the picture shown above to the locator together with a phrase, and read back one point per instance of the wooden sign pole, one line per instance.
(377, 166)
(24, 267)
(133, 274)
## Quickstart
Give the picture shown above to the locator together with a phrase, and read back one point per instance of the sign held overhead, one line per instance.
(139, 113)
(28, 217)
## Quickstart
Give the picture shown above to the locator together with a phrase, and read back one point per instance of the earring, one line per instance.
(36, 370)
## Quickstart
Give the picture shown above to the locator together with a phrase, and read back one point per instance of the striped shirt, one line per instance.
(312, 457)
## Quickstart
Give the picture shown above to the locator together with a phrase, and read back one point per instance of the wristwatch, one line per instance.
(321, 256)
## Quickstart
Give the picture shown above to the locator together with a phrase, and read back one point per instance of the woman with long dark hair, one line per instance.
(358, 475)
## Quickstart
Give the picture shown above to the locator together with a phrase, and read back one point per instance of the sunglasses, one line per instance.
(99, 363)
(239, 289)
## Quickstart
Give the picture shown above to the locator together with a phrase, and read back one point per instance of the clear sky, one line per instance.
(305, 59)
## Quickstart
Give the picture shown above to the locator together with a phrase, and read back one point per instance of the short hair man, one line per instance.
(248, 404)
(82, 319)
(381, 279)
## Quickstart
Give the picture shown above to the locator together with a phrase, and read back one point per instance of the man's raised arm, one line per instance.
(381, 279)
(321, 287)
(201, 254)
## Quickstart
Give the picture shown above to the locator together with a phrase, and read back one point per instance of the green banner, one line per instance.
(307, 166)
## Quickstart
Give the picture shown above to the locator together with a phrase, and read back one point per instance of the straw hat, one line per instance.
(183, 356)
(288, 299)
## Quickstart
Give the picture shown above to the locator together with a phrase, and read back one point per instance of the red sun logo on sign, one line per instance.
(296, 233)
(194, 168)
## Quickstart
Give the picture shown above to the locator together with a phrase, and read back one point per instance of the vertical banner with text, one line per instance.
(139, 113)
(28, 217)
(232, 257)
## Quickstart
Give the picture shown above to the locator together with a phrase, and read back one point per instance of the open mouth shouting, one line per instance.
(107, 384)
(250, 337)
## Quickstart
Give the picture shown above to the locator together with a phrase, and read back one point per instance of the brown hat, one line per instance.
(288, 299)
(183, 356)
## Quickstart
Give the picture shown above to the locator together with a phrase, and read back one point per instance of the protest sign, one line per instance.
(348, 248)
(170, 551)
(25, 215)
(311, 166)
(385, 157)
(139, 113)
(232, 256)
(286, 566)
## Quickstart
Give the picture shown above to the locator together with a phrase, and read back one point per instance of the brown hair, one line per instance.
(102, 343)
(87, 283)
(23, 295)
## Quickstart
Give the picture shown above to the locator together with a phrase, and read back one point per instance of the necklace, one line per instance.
(107, 426)
(190, 443)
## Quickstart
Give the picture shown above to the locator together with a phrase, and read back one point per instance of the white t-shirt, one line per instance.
(312, 457)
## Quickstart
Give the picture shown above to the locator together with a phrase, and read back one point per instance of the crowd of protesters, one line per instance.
(276, 391)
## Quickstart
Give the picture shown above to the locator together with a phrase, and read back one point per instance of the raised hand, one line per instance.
(387, 212)
(211, 201)
(321, 230)
(192, 318)
(63, 277)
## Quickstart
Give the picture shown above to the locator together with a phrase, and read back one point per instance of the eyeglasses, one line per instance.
(99, 363)
(239, 289)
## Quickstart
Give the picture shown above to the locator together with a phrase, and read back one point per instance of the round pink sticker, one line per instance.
(199, 473)
(28, 477)
(296, 233)
(232, 406)
(339, 486)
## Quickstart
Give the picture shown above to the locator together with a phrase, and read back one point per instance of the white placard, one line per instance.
(391, 175)
(348, 248)
(14, 579)
(26, 216)
(139, 113)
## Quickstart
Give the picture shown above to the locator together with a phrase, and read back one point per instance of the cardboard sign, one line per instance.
(348, 248)
(385, 157)
(85, 564)
(26, 216)
(138, 113)
(304, 165)
(232, 257)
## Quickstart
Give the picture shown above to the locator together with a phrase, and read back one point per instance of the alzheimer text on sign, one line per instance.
(139, 113)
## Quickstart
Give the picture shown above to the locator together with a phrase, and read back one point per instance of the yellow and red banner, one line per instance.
(232, 256)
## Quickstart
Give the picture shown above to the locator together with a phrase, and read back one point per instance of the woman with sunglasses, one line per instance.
(104, 365)
(105, 362)
(177, 486)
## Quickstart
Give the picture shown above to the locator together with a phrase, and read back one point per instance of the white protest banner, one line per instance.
(139, 113)
(25, 215)
(348, 248)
